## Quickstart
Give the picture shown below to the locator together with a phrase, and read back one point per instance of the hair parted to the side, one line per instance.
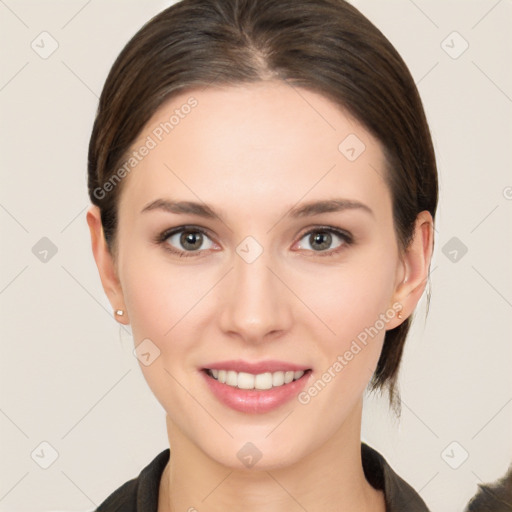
(326, 46)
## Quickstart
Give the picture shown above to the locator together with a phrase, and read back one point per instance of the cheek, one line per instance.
(355, 302)
(158, 295)
(351, 297)
(172, 306)
(163, 304)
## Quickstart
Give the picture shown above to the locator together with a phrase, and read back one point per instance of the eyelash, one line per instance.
(162, 238)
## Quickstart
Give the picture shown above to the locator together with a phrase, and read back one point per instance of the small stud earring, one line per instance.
(399, 315)
(119, 312)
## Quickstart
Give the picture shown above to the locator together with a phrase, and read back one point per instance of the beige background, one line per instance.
(68, 377)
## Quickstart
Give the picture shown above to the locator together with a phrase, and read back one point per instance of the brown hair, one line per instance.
(326, 46)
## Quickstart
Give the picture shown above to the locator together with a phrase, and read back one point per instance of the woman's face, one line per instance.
(259, 281)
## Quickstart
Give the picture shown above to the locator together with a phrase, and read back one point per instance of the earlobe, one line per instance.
(415, 264)
(105, 264)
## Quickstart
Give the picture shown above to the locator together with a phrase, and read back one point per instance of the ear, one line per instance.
(106, 264)
(413, 268)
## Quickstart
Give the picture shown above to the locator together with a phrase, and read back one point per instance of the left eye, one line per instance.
(320, 240)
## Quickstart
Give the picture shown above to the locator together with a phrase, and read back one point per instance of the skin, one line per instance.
(252, 153)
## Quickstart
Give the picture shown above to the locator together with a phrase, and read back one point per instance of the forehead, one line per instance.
(253, 143)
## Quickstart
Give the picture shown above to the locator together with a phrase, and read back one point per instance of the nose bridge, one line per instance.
(256, 304)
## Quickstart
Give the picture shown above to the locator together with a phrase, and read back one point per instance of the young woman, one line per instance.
(264, 189)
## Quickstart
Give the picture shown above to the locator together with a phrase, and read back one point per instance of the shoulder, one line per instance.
(399, 495)
(493, 497)
(141, 493)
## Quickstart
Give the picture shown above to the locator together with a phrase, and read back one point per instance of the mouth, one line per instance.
(255, 388)
(259, 382)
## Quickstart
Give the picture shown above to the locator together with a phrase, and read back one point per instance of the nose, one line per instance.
(254, 303)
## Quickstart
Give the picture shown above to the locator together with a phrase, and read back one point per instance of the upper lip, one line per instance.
(256, 367)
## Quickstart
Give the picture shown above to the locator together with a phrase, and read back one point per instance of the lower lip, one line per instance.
(255, 401)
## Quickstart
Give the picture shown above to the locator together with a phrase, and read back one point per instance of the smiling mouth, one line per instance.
(258, 382)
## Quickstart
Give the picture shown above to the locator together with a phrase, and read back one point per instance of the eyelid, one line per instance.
(164, 235)
(343, 233)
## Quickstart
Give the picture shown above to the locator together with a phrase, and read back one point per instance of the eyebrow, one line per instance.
(303, 210)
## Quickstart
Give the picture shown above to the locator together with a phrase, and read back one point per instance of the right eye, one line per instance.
(185, 241)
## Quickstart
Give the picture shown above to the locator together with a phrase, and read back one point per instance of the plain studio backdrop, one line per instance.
(76, 416)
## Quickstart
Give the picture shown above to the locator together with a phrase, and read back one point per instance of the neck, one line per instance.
(328, 479)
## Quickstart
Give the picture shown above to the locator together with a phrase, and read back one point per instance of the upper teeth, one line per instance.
(245, 380)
